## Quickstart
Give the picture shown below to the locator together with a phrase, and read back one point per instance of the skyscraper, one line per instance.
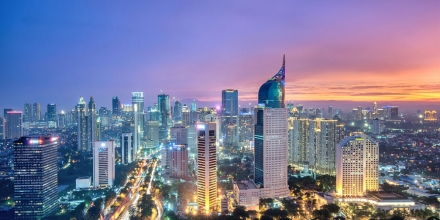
(126, 148)
(27, 114)
(91, 123)
(177, 114)
(13, 125)
(206, 167)
(230, 116)
(52, 113)
(138, 113)
(179, 135)
(165, 115)
(357, 166)
(394, 113)
(271, 138)
(116, 106)
(35, 177)
(186, 117)
(152, 134)
(82, 126)
(103, 163)
(193, 112)
(36, 112)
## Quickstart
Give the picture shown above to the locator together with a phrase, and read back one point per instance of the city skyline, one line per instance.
(368, 53)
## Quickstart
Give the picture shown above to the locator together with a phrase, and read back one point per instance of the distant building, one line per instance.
(206, 168)
(165, 121)
(82, 126)
(230, 116)
(179, 161)
(27, 114)
(357, 166)
(12, 125)
(186, 116)
(152, 133)
(36, 112)
(126, 148)
(376, 126)
(138, 113)
(52, 113)
(394, 113)
(177, 114)
(116, 106)
(430, 116)
(35, 177)
(103, 164)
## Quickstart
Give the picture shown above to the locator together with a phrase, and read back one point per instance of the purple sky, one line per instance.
(349, 51)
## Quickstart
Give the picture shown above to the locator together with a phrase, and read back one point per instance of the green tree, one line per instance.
(93, 213)
(332, 208)
(265, 217)
(145, 206)
(321, 214)
(240, 212)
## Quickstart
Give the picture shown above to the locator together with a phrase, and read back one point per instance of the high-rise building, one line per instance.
(82, 126)
(193, 112)
(27, 114)
(92, 131)
(186, 117)
(357, 166)
(206, 167)
(179, 135)
(52, 115)
(35, 177)
(12, 125)
(394, 113)
(271, 138)
(152, 134)
(165, 121)
(103, 163)
(116, 106)
(376, 126)
(330, 112)
(36, 112)
(179, 161)
(126, 148)
(246, 126)
(177, 114)
(138, 113)
(230, 116)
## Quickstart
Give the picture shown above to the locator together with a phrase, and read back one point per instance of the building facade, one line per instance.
(230, 116)
(35, 177)
(12, 125)
(138, 114)
(126, 148)
(103, 164)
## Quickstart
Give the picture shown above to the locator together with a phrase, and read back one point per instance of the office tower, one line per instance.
(230, 116)
(179, 161)
(177, 114)
(330, 112)
(103, 163)
(164, 109)
(193, 112)
(92, 132)
(12, 125)
(36, 112)
(62, 120)
(246, 127)
(271, 138)
(152, 134)
(192, 139)
(35, 177)
(27, 114)
(207, 168)
(394, 112)
(376, 126)
(138, 113)
(215, 119)
(52, 112)
(357, 161)
(179, 135)
(98, 129)
(375, 108)
(357, 113)
(126, 148)
(82, 126)
(116, 106)
(186, 117)
(2, 127)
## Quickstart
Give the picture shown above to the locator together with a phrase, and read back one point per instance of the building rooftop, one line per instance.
(245, 184)
(83, 177)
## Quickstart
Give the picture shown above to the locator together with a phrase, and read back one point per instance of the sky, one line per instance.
(340, 53)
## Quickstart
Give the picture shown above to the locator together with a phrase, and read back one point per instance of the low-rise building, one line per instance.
(247, 194)
(83, 182)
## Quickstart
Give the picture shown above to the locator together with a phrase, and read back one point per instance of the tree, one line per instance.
(146, 205)
(332, 208)
(93, 213)
(265, 217)
(321, 214)
(240, 212)
(276, 213)
(396, 217)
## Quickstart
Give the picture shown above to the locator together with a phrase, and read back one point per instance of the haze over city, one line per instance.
(353, 52)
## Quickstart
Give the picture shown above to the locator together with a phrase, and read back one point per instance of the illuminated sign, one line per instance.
(201, 126)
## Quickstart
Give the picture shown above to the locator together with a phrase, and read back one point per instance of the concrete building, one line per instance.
(126, 148)
(206, 168)
(247, 194)
(357, 166)
(230, 116)
(138, 113)
(82, 126)
(12, 125)
(103, 164)
(35, 177)
(83, 182)
(179, 161)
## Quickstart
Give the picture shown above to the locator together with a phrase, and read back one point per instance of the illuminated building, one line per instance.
(193, 112)
(165, 121)
(430, 115)
(36, 112)
(62, 120)
(357, 166)
(247, 194)
(12, 125)
(27, 114)
(246, 126)
(138, 113)
(271, 138)
(91, 123)
(186, 116)
(35, 177)
(206, 167)
(103, 163)
(152, 133)
(230, 116)
(394, 112)
(376, 126)
(126, 148)
(179, 161)
(330, 112)
(82, 126)
(179, 135)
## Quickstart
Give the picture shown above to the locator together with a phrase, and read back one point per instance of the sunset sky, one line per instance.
(342, 52)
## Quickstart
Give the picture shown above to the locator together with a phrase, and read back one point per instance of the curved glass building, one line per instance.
(271, 93)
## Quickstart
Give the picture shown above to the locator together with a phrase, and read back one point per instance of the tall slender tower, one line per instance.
(206, 167)
(82, 126)
(271, 138)
(177, 114)
(36, 112)
(91, 122)
(230, 116)
(138, 113)
(27, 114)
(12, 125)
(165, 115)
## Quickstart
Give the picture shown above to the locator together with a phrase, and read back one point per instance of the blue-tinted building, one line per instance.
(230, 116)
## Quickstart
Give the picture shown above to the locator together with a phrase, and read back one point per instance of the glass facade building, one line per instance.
(35, 177)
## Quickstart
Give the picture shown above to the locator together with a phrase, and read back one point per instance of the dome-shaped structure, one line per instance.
(271, 93)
